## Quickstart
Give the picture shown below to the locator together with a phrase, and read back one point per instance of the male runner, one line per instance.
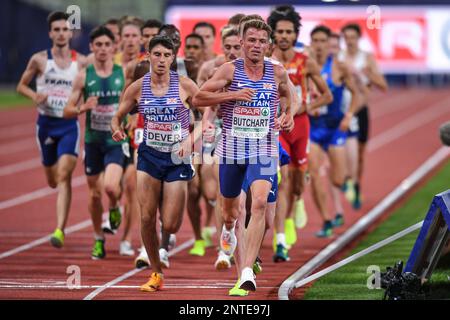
(100, 86)
(252, 87)
(164, 100)
(208, 32)
(58, 138)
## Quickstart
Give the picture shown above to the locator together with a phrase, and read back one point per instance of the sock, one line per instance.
(99, 237)
(281, 239)
(328, 224)
(356, 186)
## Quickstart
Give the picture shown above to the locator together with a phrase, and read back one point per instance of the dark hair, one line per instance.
(321, 28)
(259, 25)
(335, 35)
(205, 24)
(169, 28)
(234, 20)
(100, 31)
(165, 41)
(352, 26)
(152, 23)
(195, 36)
(56, 16)
(113, 21)
(287, 13)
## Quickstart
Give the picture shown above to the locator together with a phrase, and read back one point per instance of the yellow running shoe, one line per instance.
(57, 239)
(207, 233)
(290, 231)
(236, 292)
(155, 283)
(274, 240)
(301, 217)
(198, 249)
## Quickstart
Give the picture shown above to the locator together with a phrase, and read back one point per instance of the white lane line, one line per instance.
(20, 166)
(362, 224)
(13, 147)
(170, 286)
(131, 273)
(40, 193)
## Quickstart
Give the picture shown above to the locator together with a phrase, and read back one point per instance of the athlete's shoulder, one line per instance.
(39, 57)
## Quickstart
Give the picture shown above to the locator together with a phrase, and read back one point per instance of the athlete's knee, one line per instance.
(95, 195)
(64, 175)
(52, 183)
(171, 227)
(259, 204)
(112, 190)
(193, 193)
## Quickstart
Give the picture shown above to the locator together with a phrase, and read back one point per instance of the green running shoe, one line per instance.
(281, 255)
(257, 267)
(338, 220)
(301, 217)
(115, 218)
(290, 231)
(236, 292)
(198, 249)
(57, 239)
(327, 230)
(98, 251)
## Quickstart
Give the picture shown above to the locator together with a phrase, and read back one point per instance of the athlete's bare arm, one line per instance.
(286, 117)
(73, 109)
(82, 61)
(355, 100)
(373, 73)
(130, 98)
(313, 72)
(205, 72)
(211, 91)
(34, 68)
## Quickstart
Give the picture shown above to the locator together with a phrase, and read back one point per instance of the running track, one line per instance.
(404, 134)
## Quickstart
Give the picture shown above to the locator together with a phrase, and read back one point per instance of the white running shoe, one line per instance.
(125, 249)
(106, 227)
(228, 241)
(172, 241)
(164, 258)
(223, 261)
(248, 280)
(142, 260)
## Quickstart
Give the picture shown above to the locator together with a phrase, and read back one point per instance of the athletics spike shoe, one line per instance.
(115, 218)
(338, 220)
(198, 249)
(98, 251)
(164, 258)
(106, 227)
(155, 283)
(228, 241)
(301, 217)
(281, 255)
(57, 239)
(327, 230)
(257, 266)
(207, 233)
(247, 280)
(236, 292)
(125, 249)
(223, 261)
(290, 231)
(142, 260)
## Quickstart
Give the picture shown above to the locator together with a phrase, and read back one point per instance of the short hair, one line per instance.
(204, 24)
(352, 26)
(335, 35)
(259, 25)
(151, 23)
(321, 28)
(195, 36)
(236, 19)
(169, 28)
(246, 19)
(229, 32)
(100, 31)
(113, 21)
(56, 16)
(165, 41)
(287, 13)
(131, 22)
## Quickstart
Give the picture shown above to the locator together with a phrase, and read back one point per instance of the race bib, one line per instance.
(54, 106)
(102, 115)
(126, 149)
(162, 136)
(138, 136)
(250, 122)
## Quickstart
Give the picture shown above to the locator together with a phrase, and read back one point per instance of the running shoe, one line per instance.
(98, 251)
(198, 249)
(338, 220)
(115, 218)
(155, 283)
(125, 249)
(301, 217)
(281, 255)
(356, 204)
(164, 258)
(106, 227)
(207, 233)
(236, 292)
(228, 241)
(142, 260)
(257, 266)
(290, 231)
(349, 190)
(327, 230)
(223, 261)
(247, 280)
(57, 239)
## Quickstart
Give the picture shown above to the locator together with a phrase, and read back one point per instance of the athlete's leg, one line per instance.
(173, 204)
(65, 166)
(338, 172)
(283, 200)
(193, 207)
(51, 174)
(209, 186)
(132, 204)
(113, 176)
(316, 157)
(95, 207)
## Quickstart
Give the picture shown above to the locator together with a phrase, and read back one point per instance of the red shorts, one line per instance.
(296, 142)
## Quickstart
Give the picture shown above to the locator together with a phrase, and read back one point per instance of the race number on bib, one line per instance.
(250, 122)
(101, 117)
(163, 137)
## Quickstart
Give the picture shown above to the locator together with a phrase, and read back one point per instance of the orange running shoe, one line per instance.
(155, 283)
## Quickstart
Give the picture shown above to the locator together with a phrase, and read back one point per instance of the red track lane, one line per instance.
(386, 166)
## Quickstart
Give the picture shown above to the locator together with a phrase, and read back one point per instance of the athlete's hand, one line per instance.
(287, 122)
(90, 104)
(209, 132)
(185, 148)
(345, 123)
(132, 122)
(40, 98)
(245, 94)
(119, 135)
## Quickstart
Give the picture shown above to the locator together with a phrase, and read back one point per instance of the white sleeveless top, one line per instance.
(57, 84)
(359, 63)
